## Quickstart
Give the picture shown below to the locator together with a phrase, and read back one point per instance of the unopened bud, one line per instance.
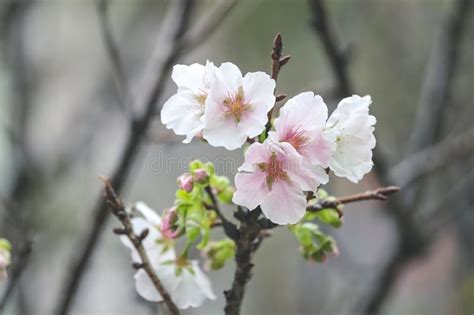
(185, 182)
(200, 175)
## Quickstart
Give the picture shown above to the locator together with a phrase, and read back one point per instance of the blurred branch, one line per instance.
(110, 44)
(433, 158)
(173, 44)
(438, 77)
(338, 58)
(118, 209)
(412, 240)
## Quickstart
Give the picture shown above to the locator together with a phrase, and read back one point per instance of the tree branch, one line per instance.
(433, 158)
(118, 209)
(230, 228)
(112, 50)
(438, 77)
(248, 234)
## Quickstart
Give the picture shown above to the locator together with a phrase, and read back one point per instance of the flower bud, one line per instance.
(168, 224)
(185, 182)
(200, 175)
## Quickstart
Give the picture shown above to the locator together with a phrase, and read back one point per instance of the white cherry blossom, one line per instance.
(236, 106)
(183, 112)
(353, 129)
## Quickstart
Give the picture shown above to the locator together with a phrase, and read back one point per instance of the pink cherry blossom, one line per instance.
(236, 106)
(301, 123)
(274, 177)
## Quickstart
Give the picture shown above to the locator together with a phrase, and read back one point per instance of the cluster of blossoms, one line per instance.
(285, 163)
(190, 218)
(5, 257)
(227, 109)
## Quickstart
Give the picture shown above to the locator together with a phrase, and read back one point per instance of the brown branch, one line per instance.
(248, 236)
(230, 228)
(117, 208)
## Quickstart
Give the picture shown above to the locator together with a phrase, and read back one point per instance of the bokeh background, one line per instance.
(62, 125)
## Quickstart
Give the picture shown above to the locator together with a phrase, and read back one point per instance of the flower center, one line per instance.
(297, 138)
(274, 170)
(201, 98)
(235, 106)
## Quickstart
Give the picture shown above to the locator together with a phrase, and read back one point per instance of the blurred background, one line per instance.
(73, 73)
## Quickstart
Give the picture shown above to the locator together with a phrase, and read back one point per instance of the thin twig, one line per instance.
(118, 209)
(110, 44)
(230, 228)
(277, 62)
(381, 193)
(166, 53)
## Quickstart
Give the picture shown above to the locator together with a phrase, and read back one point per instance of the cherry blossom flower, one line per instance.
(183, 112)
(237, 107)
(301, 123)
(274, 177)
(353, 129)
(184, 280)
(155, 243)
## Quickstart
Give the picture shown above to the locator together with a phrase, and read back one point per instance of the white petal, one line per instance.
(145, 287)
(189, 77)
(148, 213)
(259, 90)
(183, 114)
(225, 134)
(251, 189)
(230, 75)
(305, 111)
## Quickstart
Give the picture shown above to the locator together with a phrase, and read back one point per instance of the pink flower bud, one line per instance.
(168, 228)
(200, 175)
(185, 182)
